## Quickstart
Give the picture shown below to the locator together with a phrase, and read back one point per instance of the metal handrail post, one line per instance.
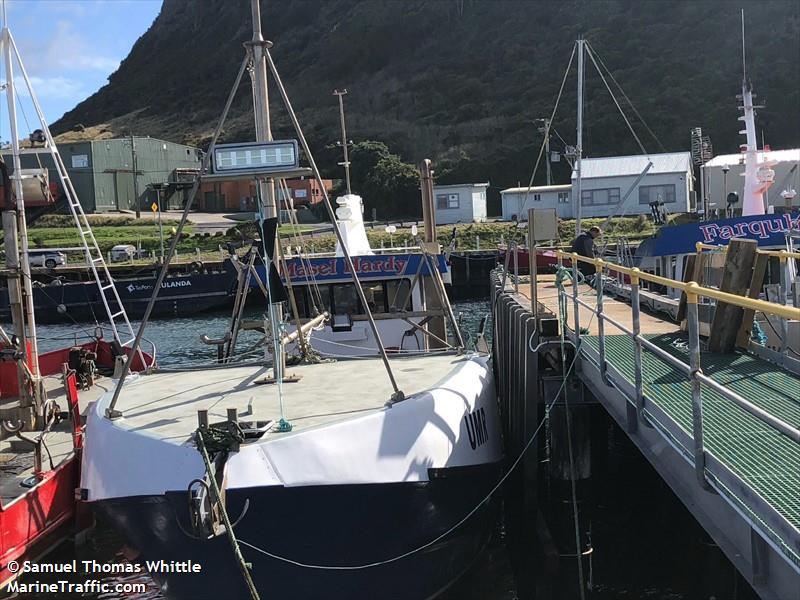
(637, 346)
(576, 305)
(783, 299)
(516, 268)
(601, 345)
(697, 399)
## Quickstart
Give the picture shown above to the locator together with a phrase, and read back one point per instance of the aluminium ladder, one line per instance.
(117, 317)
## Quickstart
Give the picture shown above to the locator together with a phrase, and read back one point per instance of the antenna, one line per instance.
(344, 142)
(744, 61)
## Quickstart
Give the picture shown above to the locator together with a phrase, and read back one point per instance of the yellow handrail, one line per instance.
(691, 288)
(781, 254)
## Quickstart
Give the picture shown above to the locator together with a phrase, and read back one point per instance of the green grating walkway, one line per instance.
(766, 460)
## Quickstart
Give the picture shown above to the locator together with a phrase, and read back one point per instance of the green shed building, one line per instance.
(102, 172)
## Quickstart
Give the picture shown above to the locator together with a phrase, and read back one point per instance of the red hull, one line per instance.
(545, 260)
(40, 519)
(43, 516)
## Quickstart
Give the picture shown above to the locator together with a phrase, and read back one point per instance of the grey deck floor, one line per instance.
(16, 460)
(165, 405)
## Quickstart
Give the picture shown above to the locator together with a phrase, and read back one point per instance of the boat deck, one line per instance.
(165, 404)
(16, 456)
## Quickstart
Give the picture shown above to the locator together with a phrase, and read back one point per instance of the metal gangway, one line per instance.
(722, 429)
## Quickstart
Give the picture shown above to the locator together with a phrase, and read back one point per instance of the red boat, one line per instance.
(546, 260)
(38, 481)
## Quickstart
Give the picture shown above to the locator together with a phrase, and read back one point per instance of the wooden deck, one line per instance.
(547, 296)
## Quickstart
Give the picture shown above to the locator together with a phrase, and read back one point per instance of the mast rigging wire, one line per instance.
(624, 95)
(548, 127)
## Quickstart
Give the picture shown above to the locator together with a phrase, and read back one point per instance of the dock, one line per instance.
(722, 429)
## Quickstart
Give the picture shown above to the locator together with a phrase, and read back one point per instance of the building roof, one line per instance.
(779, 156)
(461, 185)
(538, 188)
(620, 166)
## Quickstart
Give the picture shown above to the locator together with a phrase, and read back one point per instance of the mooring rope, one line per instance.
(222, 440)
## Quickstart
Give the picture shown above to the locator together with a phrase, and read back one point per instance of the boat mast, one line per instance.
(579, 146)
(753, 197)
(268, 208)
(16, 240)
(344, 142)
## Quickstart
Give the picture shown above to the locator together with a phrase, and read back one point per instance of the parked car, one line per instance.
(122, 253)
(46, 258)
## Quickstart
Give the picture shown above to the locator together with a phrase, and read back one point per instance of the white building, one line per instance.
(460, 203)
(516, 201)
(606, 182)
(718, 184)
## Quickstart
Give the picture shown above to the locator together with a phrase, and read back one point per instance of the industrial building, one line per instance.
(460, 203)
(103, 176)
(240, 195)
(609, 186)
(725, 173)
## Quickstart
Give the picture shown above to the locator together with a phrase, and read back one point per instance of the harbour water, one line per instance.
(644, 542)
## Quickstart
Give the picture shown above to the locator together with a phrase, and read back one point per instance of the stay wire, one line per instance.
(614, 98)
(630, 103)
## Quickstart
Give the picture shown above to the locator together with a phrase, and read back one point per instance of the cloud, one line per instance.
(66, 49)
(59, 87)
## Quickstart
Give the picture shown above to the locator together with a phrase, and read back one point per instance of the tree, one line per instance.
(384, 181)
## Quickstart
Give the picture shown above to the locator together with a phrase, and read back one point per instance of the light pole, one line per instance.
(725, 169)
(544, 129)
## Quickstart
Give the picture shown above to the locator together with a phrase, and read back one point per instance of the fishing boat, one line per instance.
(72, 296)
(359, 476)
(41, 430)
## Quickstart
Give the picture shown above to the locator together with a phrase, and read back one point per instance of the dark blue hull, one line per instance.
(181, 295)
(321, 525)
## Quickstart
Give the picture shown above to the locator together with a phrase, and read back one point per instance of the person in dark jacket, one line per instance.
(584, 245)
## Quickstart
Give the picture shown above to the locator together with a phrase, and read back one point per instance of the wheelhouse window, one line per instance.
(341, 298)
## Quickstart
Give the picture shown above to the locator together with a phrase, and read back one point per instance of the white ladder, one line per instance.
(117, 317)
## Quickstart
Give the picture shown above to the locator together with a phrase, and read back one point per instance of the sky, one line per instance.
(70, 47)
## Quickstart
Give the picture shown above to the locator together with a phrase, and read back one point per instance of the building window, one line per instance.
(563, 197)
(537, 197)
(599, 197)
(445, 201)
(656, 193)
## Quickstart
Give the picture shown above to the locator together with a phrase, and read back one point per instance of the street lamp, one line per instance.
(725, 169)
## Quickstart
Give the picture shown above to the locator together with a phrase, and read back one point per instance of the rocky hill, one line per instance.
(460, 81)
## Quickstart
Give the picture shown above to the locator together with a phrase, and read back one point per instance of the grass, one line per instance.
(58, 231)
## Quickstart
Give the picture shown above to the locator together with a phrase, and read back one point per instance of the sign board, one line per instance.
(767, 230)
(543, 224)
(80, 161)
(330, 269)
(154, 207)
(268, 157)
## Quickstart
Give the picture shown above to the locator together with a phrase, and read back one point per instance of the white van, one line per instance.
(122, 253)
